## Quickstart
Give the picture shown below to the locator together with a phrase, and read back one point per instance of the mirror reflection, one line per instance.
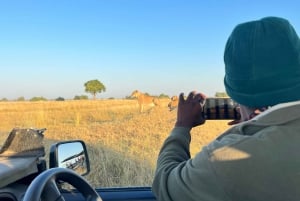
(72, 156)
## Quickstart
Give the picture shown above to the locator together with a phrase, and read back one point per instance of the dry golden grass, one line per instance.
(123, 143)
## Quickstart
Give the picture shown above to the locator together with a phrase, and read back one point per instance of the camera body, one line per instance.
(220, 109)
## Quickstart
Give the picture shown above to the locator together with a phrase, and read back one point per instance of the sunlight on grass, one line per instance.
(123, 144)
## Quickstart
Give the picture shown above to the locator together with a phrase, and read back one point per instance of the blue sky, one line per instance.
(50, 48)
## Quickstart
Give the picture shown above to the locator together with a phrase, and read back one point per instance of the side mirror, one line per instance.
(70, 154)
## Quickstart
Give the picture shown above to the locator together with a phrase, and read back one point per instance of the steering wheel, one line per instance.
(45, 186)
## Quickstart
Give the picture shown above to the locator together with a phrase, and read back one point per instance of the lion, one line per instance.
(173, 104)
(144, 99)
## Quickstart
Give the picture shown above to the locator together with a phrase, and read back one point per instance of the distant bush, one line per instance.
(21, 98)
(82, 97)
(163, 96)
(38, 98)
(60, 99)
(4, 99)
(129, 97)
(221, 94)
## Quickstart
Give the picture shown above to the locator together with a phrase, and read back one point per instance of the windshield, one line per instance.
(79, 69)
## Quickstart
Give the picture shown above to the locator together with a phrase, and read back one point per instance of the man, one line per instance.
(259, 158)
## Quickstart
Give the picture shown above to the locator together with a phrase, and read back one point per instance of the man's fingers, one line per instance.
(191, 96)
(199, 97)
(181, 98)
(202, 96)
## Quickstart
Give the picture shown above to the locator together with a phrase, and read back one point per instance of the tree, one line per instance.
(93, 87)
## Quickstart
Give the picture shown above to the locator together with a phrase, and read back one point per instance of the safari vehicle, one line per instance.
(26, 175)
(49, 49)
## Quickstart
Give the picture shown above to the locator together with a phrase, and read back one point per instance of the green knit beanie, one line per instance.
(262, 63)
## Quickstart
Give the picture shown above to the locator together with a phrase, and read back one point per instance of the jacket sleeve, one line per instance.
(178, 177)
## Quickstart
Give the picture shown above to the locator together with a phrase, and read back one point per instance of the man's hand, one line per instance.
(189, 112)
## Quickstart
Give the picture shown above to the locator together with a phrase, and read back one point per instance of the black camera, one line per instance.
(221, 109)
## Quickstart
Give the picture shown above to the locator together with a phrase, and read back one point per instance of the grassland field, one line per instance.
(123, 143)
